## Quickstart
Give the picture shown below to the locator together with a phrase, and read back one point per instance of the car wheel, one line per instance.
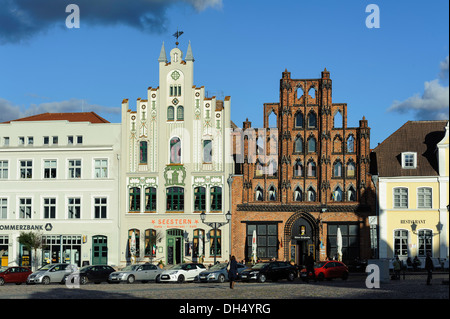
(83, 280)
(345, 276)
(221, 278)
(130, 279)
(321, 276)
(2, 281)
(291, 276)
(262, 278)
(46, 281)
(180, 279)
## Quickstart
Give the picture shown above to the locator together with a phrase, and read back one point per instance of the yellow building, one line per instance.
(412, 166)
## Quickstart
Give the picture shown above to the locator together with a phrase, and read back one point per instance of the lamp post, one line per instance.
(215, 226)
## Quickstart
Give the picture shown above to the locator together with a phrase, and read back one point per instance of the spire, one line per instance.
(189, 56)
(162, 55)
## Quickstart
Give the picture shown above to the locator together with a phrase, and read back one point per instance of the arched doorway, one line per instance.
(301, 231)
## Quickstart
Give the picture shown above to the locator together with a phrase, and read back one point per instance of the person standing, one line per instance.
(429, 267)
(310, 268)
(232, 271)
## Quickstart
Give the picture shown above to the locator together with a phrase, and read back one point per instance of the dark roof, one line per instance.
(414, 136)
(91, 117)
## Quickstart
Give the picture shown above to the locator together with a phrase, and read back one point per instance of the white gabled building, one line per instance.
(59, 177)
(176, 163)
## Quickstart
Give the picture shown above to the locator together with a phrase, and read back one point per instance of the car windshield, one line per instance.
(260, 265)
(131, 268)
(46, 267)
(218, 267)
(320, 264)
(179, 266)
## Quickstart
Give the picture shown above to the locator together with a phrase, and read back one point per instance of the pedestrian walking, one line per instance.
(429, 268)
(397, 268)
(232, 271)
(310, 268)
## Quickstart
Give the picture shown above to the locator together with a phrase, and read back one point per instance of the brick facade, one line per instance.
(300, 177)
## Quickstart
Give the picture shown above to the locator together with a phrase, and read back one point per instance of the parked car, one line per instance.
(273, 270)
(182, 272)
(15, 275)
(327, 270)
(51, 273)
(218, 272)
(94, 273)
(132, 273)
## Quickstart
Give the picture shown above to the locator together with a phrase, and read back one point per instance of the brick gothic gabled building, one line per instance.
(302, 177)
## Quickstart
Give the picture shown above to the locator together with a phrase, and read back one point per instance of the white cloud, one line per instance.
(433, 104)
(9, 112)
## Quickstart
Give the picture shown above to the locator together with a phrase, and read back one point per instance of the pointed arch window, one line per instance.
(298, 119)
(180, 113)
(337, 144)
(311, 169)
(312, 120)
(312, 145)
(258, 169)
(311, 193)
(298, 169)
(298, 194)
(272, 168)
(272, 193)
(259, 194)
(337, 121)
(175, 150)
(351, 168)
(351, 194)
(337, 169)
(350, 144)
(298, 145)
(337, 194)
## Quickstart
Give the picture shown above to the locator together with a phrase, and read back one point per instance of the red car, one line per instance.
(327, 270)
(15, 275)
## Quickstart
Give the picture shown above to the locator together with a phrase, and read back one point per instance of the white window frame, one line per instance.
(100, 205)
(4, 169)
(102, 168)
(68, 206)
(26, 167)
(49, 205)
(44, 168)
(2, 206)
(404, 160)
(69, 167)
(19, 206)
(418, 198)
(407, 198)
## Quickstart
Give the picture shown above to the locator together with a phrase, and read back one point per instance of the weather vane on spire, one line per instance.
(177, 35)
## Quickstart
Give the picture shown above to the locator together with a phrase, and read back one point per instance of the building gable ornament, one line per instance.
(174, 175)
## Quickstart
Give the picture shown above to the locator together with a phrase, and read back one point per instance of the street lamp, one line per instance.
(216, 226)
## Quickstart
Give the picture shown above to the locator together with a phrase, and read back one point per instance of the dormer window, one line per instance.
(409, 160)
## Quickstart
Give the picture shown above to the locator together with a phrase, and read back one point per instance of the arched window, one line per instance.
(272, 168)
(350, 144)
(312, 120)
(298, 119)
(170, 113)
(298, 145)
(351, 194)
(311, 169)
(298, 195)
(199, 198)
(180, 113)
(298, 169)
(175, 199)
(272, 119)
(143, 152)
(150, 243)
(272, 193)
(312, 145)
(215, 242)
(259, 194)
(337, 194)
(150, 199)
(312, 92)
(216, 198)
(337, 169)
(337, 121)
(207, 151)
(259, 170)
(299, 92)
(175, 150)
(311, 193)
(400, 242)
(351, 169)
(135, 199)
(337, 144)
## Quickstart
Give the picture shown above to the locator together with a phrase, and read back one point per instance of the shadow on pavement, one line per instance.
(64, 293)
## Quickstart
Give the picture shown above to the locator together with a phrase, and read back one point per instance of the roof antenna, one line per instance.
(177, 35)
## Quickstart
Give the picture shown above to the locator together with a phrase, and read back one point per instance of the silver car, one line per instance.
(51, 273)
(132, 273)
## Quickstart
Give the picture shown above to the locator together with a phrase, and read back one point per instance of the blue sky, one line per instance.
(390, 75)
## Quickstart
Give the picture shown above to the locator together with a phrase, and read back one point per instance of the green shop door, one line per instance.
(99, 250)
(174, 246)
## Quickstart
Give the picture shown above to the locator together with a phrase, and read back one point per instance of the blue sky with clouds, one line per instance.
(390, 75)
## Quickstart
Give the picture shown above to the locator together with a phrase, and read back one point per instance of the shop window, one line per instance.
(175, 199)
(350, 241)
(199, 198)
(215, 242)
(400, 242)
(267, 240)
(150, 243)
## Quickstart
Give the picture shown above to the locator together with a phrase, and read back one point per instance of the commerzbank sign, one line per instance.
(27, 227)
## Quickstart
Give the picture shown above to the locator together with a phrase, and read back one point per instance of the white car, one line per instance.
(182, 272)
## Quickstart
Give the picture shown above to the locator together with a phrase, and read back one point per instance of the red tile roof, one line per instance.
(91, 117)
